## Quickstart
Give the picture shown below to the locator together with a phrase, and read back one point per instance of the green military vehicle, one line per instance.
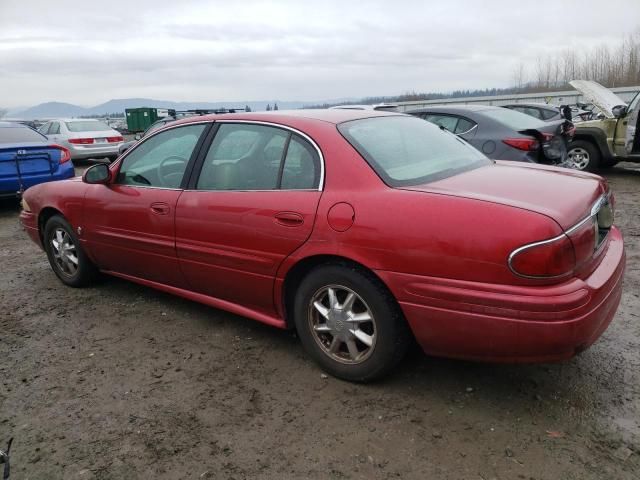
(610, 139)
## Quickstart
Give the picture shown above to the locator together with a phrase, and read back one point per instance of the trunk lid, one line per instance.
(600, 96)
(564, 195)
(28, 159)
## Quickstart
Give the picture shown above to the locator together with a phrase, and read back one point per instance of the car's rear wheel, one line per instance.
(583, 155)
(67, 259)
(349, 323)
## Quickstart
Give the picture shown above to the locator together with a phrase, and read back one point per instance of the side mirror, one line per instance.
(138, 136)
(98, 174)
(619, 111)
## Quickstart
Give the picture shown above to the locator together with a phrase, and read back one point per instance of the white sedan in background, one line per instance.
(85, 138)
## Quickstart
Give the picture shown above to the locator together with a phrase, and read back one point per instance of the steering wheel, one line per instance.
(166, 178)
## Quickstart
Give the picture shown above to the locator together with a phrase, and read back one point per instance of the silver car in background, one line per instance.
(85, 138)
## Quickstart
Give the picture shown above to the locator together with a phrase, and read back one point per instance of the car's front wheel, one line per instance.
(583, 155)
(349, 322)
(67, 259)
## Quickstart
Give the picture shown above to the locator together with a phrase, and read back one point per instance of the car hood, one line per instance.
(600, 96)
(561, 194)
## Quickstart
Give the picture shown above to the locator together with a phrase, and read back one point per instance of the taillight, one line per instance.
(65, 154)
(548, 258)
(115, 139)
(527, 144)
(81, 141)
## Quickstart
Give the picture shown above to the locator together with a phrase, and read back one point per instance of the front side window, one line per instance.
(408, 151)
(161, 160)
(258, 157)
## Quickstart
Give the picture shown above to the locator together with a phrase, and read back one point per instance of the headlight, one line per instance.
(25, 206)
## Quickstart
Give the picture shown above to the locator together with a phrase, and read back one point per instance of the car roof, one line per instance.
(12, 125)
(334, 116)
(535, 105)
(456, 108)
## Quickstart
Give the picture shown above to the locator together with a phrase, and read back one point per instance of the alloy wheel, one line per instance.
(64, 252)
(342, 324)
(578, 158)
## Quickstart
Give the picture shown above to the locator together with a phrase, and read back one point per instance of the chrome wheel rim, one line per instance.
(578, 158)
(342, 324)
(64, 252)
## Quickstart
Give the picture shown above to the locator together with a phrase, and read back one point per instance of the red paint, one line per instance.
(441, 248)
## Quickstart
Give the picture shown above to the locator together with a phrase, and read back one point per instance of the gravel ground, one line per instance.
(120, 381)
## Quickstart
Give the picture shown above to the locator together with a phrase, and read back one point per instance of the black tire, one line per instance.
(388, 329)
(592, 163)
(608, 163)
(85, 272)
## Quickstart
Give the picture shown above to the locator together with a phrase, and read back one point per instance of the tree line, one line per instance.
(617, 66)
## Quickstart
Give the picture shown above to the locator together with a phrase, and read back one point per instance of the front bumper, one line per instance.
(29, 223)
(504, 323)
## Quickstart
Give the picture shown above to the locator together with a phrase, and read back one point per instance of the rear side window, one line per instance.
(547, 114)
(464, 126)
(405, 150)
(20, 134)
(87, 126)
(512, 119)
(445, 121)
(258, 157)
(54, 129)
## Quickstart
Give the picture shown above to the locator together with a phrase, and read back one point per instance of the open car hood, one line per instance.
(600, 96)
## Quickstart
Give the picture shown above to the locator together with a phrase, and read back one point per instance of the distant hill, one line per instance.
(49, 109)
(59, 109)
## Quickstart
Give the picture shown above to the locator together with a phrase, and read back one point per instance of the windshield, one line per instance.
(19, 134)
(513, 119)
(406, 150)
(87, 126)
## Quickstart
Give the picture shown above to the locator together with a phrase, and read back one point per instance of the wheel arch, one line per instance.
(303, 266)
(597, 137)
(43, 217)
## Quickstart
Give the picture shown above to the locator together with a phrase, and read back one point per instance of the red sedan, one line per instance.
(360, 229)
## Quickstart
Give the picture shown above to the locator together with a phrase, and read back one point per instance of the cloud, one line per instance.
(88, 52)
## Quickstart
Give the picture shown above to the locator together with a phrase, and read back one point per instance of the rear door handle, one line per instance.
(160, 208)
(289, 219)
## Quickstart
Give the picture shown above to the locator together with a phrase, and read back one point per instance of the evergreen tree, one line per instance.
(275, 106)
(268, 107)
(247, 108)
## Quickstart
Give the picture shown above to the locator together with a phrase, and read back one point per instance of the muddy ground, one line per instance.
(120, 381)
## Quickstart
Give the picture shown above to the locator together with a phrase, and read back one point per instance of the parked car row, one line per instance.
(359, 228)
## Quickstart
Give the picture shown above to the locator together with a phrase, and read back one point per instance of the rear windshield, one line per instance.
(88, 126)
(20, 134)
(513, 119)
(407, 150)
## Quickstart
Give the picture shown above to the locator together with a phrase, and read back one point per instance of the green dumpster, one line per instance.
(139, 119)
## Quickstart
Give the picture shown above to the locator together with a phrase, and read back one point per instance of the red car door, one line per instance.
(129, 224)
(253, 204)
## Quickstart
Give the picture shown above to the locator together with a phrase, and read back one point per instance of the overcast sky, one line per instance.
(87, 52)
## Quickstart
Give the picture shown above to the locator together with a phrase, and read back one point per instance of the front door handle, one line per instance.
(289, 219)
(160, 208)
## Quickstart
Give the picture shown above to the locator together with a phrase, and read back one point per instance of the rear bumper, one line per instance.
(82, 152)
(10, 187)
(511, 323)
